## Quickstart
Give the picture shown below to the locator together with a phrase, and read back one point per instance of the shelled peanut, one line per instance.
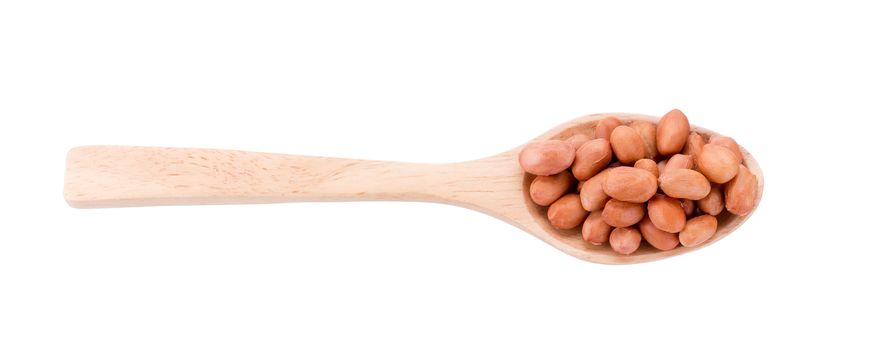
(636, 181)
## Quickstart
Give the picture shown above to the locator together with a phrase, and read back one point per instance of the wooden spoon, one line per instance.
(116, 176)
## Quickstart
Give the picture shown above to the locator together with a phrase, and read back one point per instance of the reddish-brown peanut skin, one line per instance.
(604, 127)
(698, 230)
(591, 158)
(661, 166)
(566, 212)
(596, 231)
(593, 197)
(627, 145)
(728, 143)
(717, 163)
(546, 157)
(622, 214)
(666, 213)
(713, 203)
(741, 192)
(577, 140)
(630, 184)
(544, 190)
(625, 240)
(684, 183)
(647, 165)
(680, 161)
(578, 188)
(672, 132)
(648, 132)
(688, 205)
(693, 144)
(656, 237)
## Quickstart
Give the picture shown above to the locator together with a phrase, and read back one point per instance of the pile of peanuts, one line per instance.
(623, 195)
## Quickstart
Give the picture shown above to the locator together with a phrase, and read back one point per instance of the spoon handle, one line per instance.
(117, 176)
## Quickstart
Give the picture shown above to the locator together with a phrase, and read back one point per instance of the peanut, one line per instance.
(566, 212)
(713, 203)
(627, 145)
(680, 161)
(672, 132)
(741, 192)
(661, 166)
(698, 230)
(684, 183)
(717, 163)
(656, 237)
(546, 157)
(596, 231)
(593, 197)
(577, 140)
(622, 214)
(591, 158)
(630, 184)
(648, 132)
(604, 127)
(730, 144)
(625, 240)
(647, 165)
(688, 205)
(544, 190)
(666, 213)
(694, 144)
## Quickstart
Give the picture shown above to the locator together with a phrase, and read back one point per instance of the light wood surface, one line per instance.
(122, 176)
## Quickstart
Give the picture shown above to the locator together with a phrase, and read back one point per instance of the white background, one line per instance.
(797, 84)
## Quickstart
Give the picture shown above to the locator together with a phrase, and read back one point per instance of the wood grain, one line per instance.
(123, 176)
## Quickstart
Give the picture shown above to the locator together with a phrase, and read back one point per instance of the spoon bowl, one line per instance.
(124, 176)
(570, 241)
